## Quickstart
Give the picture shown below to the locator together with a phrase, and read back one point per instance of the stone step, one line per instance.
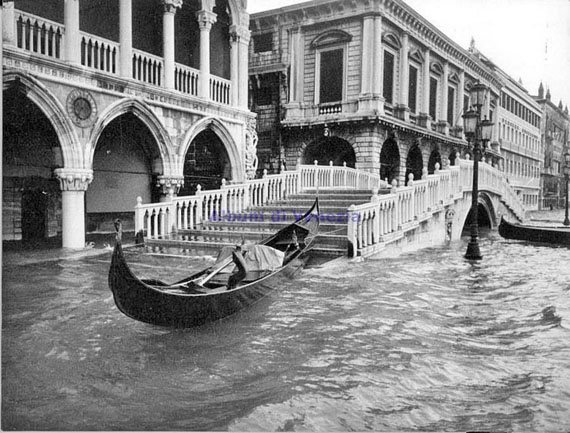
(304, 205)
(234, 237)
(266, 226)
(290, 209)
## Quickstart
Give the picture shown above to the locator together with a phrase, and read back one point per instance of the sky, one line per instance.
(528, 39)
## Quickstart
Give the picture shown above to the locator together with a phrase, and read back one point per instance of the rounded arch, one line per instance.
(487, 216)
(217, 127)
(390, 160)
(140, 110)
(414, 163)
(54, 111)
(327, 149)
(434, 158)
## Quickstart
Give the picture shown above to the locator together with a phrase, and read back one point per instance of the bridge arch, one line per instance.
(53, 110)
(144, 113)
(486, 212)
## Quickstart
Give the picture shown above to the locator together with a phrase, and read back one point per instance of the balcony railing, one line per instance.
(43, 37)
(38, 35)
(99, 53)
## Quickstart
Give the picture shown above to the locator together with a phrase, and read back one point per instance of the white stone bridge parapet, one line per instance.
(441, 202)
(160, 220)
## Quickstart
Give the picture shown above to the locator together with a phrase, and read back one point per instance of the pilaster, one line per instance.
(424, 119)
(370, 98)
(8, 23)
(401, 110)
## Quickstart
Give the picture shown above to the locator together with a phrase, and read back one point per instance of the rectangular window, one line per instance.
(263, 43)
(465, 103)
(451, 106)
(433, 98)
(331, 76)
(388, 77)
(413, 89)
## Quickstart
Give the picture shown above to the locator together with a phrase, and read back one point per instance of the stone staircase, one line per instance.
(256, 223)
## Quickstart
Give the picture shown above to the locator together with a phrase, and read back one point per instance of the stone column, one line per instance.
(168, 40)
(8, 23)
(243, 81)
(367, 61)
(126, 38)
(72, 37)
(296, 74)
(460, 108)
(424, 118)
(73, 184)
(206, 20)
(403, 112)
(234, 71)
(378, 68)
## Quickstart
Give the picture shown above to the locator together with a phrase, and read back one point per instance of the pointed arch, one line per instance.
(145, 114)
(54, 111)
(217, 127)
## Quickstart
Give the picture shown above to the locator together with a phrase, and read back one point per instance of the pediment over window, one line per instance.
(454, 78)
(436, 68)
(417, 56)
(331, 37)
(392, 40)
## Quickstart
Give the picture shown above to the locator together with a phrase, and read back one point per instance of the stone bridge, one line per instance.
(426, 212)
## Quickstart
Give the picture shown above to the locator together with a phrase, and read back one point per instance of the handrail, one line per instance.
(38, 35)
(99, 53)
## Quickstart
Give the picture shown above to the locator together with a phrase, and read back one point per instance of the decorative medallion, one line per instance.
(81, 108)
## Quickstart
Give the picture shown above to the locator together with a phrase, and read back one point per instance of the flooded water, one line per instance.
(426, 341)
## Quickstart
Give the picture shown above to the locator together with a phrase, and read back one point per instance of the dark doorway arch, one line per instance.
(390, 161)
(122, 171)
(31, 198)
(328, 149)
(434, 158)
(207, 162)
(414, 163)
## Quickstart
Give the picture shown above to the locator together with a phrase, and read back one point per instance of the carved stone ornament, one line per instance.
(251, 160)
(74, 179)
(81, 108)
(171, 5)
(166, 183)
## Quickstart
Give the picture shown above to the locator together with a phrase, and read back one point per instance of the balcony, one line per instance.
(45, 39)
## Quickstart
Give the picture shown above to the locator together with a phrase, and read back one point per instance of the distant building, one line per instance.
(555, 139)
(371, 84)
(518, 119)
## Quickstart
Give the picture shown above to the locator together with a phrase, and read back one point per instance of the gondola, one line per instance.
(216, 292)
(548, 235)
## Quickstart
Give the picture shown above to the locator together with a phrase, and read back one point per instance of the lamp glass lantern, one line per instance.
(470, 119)
(486, 130)
(478, 94)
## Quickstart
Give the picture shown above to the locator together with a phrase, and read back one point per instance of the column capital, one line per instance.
(168, 182)
(74, 179)
(206, 19)
(170, 6)
(240, 34)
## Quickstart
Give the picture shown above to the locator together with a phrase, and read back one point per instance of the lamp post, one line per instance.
(566, 175)
(478, 132)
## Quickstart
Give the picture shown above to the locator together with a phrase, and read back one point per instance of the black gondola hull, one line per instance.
(144, 302)
(548, 235)
(189, 302)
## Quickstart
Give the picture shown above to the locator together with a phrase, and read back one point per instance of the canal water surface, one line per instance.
(425, 341)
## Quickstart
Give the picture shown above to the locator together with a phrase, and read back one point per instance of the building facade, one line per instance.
(555, 139)
(518, 119)
(368, 83)
(145, 99)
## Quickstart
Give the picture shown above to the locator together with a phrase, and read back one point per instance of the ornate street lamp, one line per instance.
(478, 132)
(566, 175)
